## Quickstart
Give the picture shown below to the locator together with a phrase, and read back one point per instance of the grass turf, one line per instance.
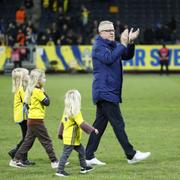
(151, 107)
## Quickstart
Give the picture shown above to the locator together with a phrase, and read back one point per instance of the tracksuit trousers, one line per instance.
(109, 112)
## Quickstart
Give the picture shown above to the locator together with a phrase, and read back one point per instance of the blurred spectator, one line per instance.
(119, 28)
(20, 15)
(54, 32)
(48, 33)
(65, 5)
(45, 14)
(164, 59)
(70, 38)
(29, 24)
(15, 56)
(11, 34)
(84, 15)
(95, 26)
(45, 3)
(30, 37)
(79, 40)
(148, 36)
(172, 24)
(158, 33)
(172, 28)
(53, 5)
(2, 32)
(60, 18)
(50, 42)
(49, 10)
(2, 26)
(93, 32)
(68, 22)
(42, 39)
(166, 34)
(58, 43)
(64, 30)
(10, 40)
(28, 4)
(21, 38)
(23, 53)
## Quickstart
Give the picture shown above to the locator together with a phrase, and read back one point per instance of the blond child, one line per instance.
(37, 100)
(20, 77)
(70, 132)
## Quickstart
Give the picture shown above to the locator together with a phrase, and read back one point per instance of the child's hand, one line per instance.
(25, 110)
(60, 136)
(96, 131)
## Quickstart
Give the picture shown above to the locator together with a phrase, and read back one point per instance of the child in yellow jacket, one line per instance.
(37, 99)
(20, 77)
(70, 132)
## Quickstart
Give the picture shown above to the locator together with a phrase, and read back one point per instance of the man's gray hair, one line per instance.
(105, 25)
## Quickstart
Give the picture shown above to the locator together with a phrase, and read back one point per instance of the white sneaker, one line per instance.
(94, 161)
(54, 164)
(16, 164)
(139, 156)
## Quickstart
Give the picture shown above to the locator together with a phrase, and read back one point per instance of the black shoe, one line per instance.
(28, 163)
(62, 173)
(86, 169)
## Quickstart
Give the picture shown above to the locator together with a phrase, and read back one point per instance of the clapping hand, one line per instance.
(133, 35)
(25, 110)
(124, 38)
(60, 136)
(129, 37)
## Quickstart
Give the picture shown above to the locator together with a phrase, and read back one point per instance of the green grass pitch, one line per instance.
(151, 110)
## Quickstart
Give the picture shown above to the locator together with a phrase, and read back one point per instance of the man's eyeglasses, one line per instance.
(109, 30)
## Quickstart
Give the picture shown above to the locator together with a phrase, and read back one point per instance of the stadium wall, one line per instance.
(78, 58)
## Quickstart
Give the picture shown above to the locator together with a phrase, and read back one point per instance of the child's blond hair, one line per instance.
(35, 76)
(72, 103)
(19, 78)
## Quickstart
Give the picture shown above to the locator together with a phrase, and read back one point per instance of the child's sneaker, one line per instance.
(62, 173)
(86, 169)
(17, 164)
(54, 164)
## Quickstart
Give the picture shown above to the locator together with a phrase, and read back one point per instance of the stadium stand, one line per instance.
(141, 13)
(74, 22)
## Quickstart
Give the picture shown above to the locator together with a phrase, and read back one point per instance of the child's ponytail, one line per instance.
(72, 103)
(35, 75)
(17, 78)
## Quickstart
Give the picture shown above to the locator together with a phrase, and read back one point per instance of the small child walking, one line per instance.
(37, 100)
(70, 132)
(20, 77)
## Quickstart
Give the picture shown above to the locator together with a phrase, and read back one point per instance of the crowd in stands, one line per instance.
(56, 25)
(161, 33)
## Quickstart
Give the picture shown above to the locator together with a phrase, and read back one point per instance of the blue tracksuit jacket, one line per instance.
(107, 69)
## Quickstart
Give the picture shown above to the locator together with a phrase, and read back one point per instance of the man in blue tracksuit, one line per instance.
(107, 87)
